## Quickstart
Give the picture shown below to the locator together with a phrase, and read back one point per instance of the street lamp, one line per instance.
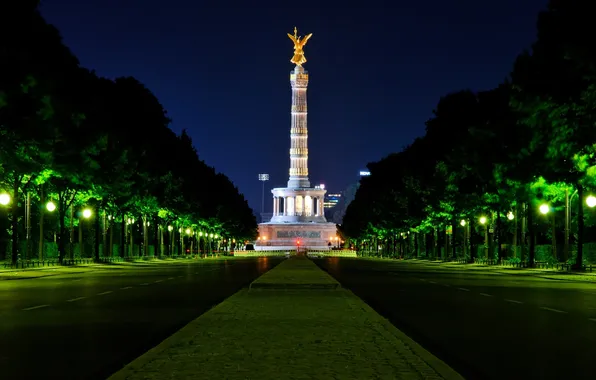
(591, 201)
(87, 213)
(4, 199)
(462, 223)
(483, 220)
(544, 209)
(510, 215)
(263, 178)
(50, 206)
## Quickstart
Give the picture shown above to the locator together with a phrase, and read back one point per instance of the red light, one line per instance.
(298, 242)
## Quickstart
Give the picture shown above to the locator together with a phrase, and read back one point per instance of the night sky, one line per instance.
(221, 69)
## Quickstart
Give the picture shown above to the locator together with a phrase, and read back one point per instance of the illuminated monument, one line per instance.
(298, 212)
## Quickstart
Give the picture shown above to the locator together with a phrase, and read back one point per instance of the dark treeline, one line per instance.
(499, 174)
(71, 140)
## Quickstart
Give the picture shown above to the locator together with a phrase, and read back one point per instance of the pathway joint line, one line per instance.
(485, 294)
(170, 278)
(103, 293)
(553, 310)
(432, 282)
(464, 289)
(592, 319)
(126, 287)
(34, 307)
(513, 301)
(144, 284)
(158, 281)
(75, 299)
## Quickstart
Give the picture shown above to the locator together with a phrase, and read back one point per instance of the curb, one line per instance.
(435, 363)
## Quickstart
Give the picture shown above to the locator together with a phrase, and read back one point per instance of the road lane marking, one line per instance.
(447, 285)
(144, 284)
(553, 310)
(464, 289)
(75, 299)
(126, 287)
(158, 281)
(485, 294)
(103, 293)
(170, 278)
(35, 307)
(432, 282)
(513, 301)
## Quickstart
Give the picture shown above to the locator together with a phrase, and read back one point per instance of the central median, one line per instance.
(295, 321)
(295, 273)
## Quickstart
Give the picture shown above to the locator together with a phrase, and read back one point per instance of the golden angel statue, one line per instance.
(299, 59)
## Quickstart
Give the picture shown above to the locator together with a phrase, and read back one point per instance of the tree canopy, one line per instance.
(88, 140)
(493, 153)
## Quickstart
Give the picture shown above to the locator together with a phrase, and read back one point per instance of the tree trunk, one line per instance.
(71, 241)
(554, 235)
(27, 254)
(41, 215)
(579, 261)
(81, 247)
(104, 232)
(498, 234)
(416, 244)
(62, 230)
(15, 221)
(453, 240)
(524, 227)
(567, 220)
(96, 242)
(515, 231)
(532, 235)
(122, 249)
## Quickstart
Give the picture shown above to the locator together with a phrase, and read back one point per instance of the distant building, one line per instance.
(331, 200)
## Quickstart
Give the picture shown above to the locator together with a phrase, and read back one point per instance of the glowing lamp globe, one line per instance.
(188, 231)
(510, 215)
(483, 220)
(86, 213)
(50, 206)
(4, 199)
(591, 201)
(170, 228)
(544, 209)
(462, 223)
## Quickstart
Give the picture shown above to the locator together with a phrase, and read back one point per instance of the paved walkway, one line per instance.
(289, 332)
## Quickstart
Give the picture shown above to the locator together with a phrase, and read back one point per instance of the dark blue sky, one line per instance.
(221, 69)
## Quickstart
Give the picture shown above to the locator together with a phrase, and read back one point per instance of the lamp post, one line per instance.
(484, 221)
(50, 207)
(263, 178)
(86, 214)
(544, 210)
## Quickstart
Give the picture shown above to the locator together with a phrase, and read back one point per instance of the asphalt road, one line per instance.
(485, 325)
(90, 325)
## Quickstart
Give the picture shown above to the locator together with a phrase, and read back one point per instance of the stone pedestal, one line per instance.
(292, 235)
